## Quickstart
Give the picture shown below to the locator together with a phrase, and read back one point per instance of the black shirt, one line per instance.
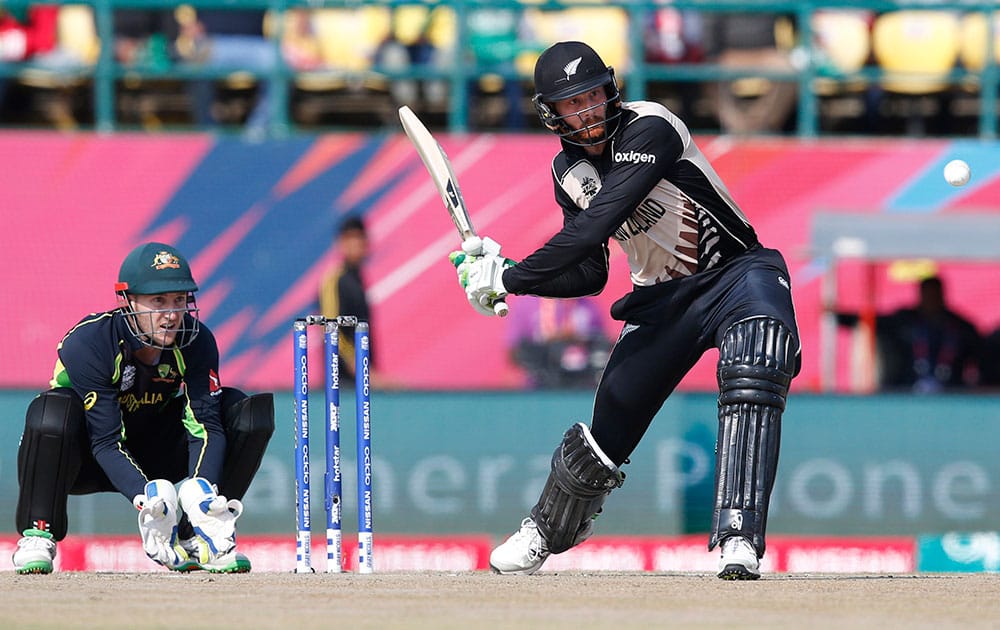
(653, 191)
(136, 411)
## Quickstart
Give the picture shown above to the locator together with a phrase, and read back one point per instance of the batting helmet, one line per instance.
(568, 69)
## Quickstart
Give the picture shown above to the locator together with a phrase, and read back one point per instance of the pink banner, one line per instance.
(258, 221)
(785, 554)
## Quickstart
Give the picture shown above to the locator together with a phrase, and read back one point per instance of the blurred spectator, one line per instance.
(299, 45)
(30, 34)
(408, 45)
(674, 36)
(25, 32)
(558, 343)
(343, 290)
(926, 347)
(496, 37)
(989, 366)
(228, 40)
(142, 42)
(141, 38)
(749, 41)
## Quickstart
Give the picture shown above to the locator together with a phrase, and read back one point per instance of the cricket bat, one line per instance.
(438, 165)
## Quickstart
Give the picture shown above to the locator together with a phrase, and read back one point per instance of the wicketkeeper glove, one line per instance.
(158, 518)
(212, 516)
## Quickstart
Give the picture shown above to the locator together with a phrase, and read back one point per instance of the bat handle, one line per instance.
(500, 308)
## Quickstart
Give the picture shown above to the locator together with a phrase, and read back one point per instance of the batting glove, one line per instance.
(484, 280)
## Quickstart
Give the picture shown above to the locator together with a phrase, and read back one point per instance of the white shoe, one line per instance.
(35, 552)
(200, 558)
(739, 560)
(523, 553)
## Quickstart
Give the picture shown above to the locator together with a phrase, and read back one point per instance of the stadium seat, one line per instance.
(917, 49)
(975, 38)
(58, 85)
(605, 28)
(843, 37)
(347, 40)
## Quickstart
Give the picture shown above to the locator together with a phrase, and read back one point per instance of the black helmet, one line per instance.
(568, 69)
(152, 269)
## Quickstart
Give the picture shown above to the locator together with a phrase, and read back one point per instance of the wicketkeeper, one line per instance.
(136, 406)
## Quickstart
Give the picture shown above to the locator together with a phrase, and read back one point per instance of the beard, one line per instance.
(595, 133)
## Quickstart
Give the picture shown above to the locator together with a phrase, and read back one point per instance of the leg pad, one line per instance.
(756, 365)
(49, 459)
(581, 478)
(249, 423)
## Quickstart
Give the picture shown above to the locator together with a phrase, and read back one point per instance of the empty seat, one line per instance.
(917, 49)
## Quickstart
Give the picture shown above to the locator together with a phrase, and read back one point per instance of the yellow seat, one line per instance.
(844, 37)
(917, 49)
(77, 41)
(605, 28)
(348, 38)
(975, 37)
(76, 35)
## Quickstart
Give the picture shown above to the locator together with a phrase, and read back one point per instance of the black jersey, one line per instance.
(136, 412)
(654, 192)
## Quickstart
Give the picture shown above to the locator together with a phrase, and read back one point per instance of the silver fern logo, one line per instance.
(570, 68)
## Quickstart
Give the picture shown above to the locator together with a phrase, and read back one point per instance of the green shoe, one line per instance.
(230, 563)
(35, 552)
(186, 567)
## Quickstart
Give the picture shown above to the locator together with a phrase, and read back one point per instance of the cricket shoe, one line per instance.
(35, 552)
(200, 558)
(523, 553)
(739, 560)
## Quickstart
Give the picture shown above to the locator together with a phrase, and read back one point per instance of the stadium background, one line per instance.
(459, 447)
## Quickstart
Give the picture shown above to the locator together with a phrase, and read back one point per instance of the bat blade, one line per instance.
(438, 165)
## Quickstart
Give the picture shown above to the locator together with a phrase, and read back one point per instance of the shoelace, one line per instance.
(35, 542)
(529, 530)
(737, 544)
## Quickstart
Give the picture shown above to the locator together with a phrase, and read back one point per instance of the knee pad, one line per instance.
(757, 360)
(581, 478)
(249, 423)
(48, 460)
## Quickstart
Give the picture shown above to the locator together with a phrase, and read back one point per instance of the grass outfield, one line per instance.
(482, 600)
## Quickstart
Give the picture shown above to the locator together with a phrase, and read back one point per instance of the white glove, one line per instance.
(212, 517)
(475, 246)
(158, 517)
(484, 279)
(475, 253)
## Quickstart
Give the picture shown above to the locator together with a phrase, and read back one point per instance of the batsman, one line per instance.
(630, 171)
(136, 406)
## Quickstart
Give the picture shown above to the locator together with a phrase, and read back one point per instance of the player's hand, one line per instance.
(212, 516)
(475, 246)
(158, 517)
(484, 281)
(462, 262)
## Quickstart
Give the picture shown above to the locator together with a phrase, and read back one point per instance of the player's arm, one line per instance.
(203, 414)
(625, 185)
